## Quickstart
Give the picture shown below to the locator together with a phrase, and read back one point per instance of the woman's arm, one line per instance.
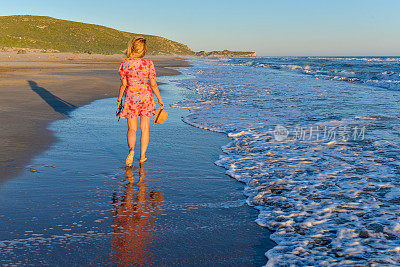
(154, 87)
(121, 91)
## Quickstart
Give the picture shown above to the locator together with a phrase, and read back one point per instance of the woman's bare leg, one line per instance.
(144, 140)
(131, 135)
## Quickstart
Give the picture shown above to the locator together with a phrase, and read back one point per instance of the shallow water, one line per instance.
(319, 157)
(83, 208)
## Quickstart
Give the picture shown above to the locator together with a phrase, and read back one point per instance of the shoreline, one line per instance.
(191, 211)
(38, 88)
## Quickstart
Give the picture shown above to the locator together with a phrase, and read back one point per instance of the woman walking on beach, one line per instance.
(135, 73)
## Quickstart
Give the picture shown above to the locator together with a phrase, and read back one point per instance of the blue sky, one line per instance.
(270, 27)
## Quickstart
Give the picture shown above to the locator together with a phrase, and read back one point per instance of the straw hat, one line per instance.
(161, 116)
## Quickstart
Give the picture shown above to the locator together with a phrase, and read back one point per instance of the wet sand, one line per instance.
(84, 208)
(37, 88)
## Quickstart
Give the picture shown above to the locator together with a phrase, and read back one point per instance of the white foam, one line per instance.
(329, 202)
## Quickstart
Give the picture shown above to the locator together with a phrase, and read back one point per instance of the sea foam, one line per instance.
(328, 201)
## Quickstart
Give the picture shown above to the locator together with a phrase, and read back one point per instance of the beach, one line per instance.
(71, 201)
(37, 88)
(313, 142)
(281, 146)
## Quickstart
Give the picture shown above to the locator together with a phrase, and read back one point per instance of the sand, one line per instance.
(84, 208)
(37, 88)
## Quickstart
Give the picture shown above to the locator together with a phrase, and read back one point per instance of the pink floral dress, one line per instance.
(138, 95)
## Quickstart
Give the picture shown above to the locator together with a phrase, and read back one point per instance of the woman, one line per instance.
(135, 73)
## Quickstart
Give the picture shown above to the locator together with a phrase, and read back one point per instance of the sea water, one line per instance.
(316, 141)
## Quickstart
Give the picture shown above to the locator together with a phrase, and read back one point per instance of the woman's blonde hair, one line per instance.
(137, 47)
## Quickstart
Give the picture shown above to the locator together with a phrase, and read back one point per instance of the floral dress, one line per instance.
(138, 95)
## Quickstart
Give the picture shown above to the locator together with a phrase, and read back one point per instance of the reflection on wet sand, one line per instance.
(135, 212)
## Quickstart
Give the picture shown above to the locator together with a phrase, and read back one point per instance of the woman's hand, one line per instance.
(119, 104)
(161, 103)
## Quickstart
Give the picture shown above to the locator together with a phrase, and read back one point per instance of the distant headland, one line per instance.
(28, 33)
(226, 53)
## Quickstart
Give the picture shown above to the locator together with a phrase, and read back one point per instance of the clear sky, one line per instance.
(269, 27)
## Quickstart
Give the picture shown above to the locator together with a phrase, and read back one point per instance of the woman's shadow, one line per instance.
(59, 105)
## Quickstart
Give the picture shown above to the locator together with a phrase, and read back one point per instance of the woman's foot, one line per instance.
(143, 160)
(129, 158)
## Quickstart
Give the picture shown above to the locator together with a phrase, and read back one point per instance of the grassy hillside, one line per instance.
(46, 33)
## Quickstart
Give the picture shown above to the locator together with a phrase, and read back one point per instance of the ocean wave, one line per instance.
(365, 59)
(371, 71)
(329, 202)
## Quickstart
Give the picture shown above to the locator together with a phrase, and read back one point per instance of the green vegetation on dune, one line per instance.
(46, 33)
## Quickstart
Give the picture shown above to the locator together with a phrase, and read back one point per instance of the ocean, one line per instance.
(316, 142)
